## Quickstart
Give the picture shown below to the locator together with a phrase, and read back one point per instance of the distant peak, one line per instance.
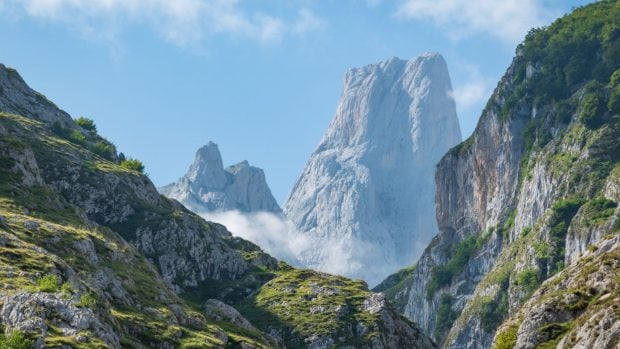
(210, 154)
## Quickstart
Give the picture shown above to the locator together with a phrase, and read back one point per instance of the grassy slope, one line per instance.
(49, 249)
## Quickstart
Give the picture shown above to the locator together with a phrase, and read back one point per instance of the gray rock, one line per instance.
(220, 311)
(366, 196)
(29, 312)
(208, 186)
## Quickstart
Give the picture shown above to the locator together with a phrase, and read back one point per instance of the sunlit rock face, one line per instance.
(366, 195)
(208, 186)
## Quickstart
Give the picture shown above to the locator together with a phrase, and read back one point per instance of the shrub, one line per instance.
(592, 110)
(104, 149)
(87, 300)
(493, 311)
(445, 316)
(77, 137)
(48, 283)
(507, 339)
(87, 124)
(599, 210)
(16, 340)
(614, 101)
(528, 280)
(133, 164)
(462, 251)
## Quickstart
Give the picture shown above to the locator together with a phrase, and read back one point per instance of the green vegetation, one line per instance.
(553, 333)
(396, 287)
(87, 300)
(598, 210)
(306, 302)
(462, 251)
(592, 110)
(133, 165)
(445, 316)
(528, 280)
(507, 339)
(48, 283)
(562, 212)
(15, 340)
(493, 311)
(87, 124)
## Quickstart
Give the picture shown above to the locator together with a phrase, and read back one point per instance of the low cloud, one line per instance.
(507, 20)
(181, 22)
(273, 233)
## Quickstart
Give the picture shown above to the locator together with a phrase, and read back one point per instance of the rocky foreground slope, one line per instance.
(527, 207)
(365, 199)
(92, 256)
(208, 186)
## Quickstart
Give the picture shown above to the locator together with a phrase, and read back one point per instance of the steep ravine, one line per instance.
(532, 195)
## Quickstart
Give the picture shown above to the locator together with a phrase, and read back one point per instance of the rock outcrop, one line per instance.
(531, 196)
(366, 195)
(208, 186)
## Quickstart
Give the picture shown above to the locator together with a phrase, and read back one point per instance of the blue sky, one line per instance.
(260, 78)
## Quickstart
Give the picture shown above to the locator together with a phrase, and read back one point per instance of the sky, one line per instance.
(261, 78)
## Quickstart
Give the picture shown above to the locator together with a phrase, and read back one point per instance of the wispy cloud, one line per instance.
(181, 22)
(273, 233)
(475, 90)
(507, 20)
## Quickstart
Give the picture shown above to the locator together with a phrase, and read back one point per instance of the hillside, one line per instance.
(527, 207)
(91, 256)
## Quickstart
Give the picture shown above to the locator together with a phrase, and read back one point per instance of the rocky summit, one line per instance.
(92, 256)
(366, 195)
(208, 186)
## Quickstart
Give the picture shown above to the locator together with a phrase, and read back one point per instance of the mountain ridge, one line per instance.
(208, 186)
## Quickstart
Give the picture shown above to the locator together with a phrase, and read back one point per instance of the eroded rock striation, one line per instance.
(366, 195)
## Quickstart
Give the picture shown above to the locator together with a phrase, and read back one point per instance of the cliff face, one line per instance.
(529, 197)
(367, 191)
(91, 255)
(208, 186)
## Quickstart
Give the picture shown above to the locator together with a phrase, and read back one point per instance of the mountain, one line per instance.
(528, 250)
(208, 186)
(92, 256)
(366, 195)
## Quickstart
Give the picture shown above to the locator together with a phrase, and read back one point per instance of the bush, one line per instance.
(133, 164)
(507, 339)
(492, 311)
(48, 283)
(104, 149)
(599, 210)
(16, 340)
(614, 101)
(77, 137)
(87, 300)
(462, 251)
(528, 280)
(87, 124)
(445, 316)
(592, 110)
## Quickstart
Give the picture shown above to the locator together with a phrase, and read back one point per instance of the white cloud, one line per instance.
(273, 233)
(308, 21)
(182, 22)
(475, 90)
(507, 20)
